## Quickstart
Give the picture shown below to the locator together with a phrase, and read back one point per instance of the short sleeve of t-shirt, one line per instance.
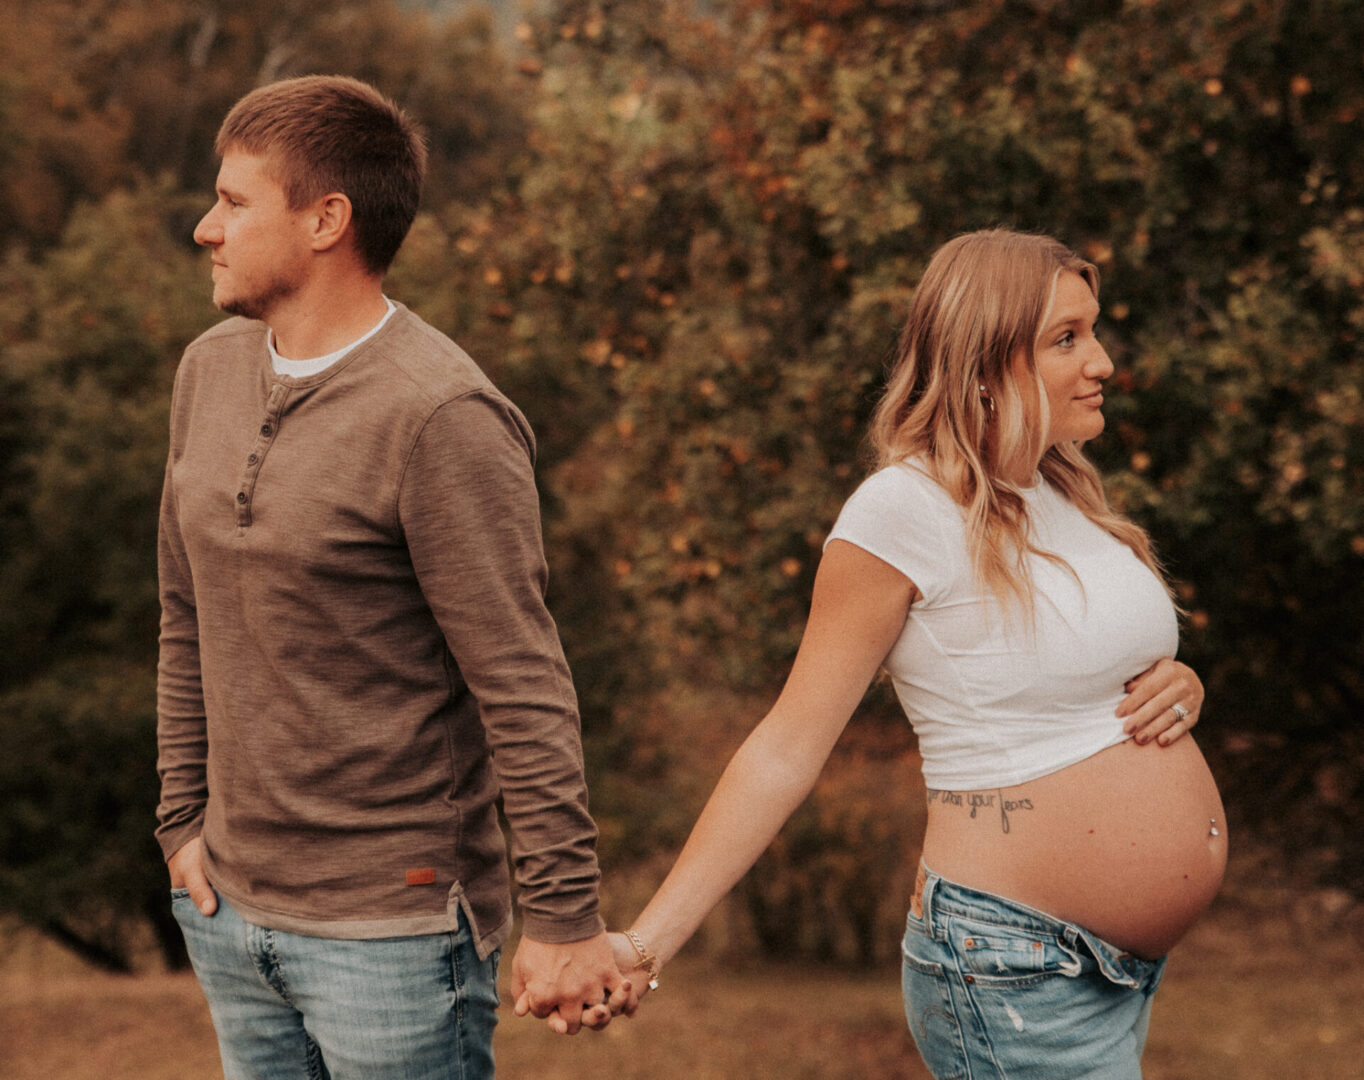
(905, 519)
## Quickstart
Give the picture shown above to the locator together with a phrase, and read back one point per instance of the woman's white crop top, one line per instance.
(994, 699)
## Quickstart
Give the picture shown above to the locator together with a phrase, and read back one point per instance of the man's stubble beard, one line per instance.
(258, 305)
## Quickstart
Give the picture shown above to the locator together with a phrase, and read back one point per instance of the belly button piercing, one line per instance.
(1212, 827)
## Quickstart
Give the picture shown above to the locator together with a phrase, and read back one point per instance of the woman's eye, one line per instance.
(1066, 339)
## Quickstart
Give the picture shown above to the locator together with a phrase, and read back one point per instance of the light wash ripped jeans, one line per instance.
(996, 990)
(291, 1007)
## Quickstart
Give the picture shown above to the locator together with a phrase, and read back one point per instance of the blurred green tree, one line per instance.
(92, 332)
(98, 94)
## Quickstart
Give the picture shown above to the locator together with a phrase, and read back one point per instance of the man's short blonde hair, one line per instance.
(332, 133)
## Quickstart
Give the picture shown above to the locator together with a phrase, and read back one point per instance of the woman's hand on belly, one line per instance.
(1162, 703)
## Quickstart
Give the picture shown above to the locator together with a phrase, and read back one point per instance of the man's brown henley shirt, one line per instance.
(356, 656)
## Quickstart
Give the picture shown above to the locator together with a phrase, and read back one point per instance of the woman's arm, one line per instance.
(857, 612)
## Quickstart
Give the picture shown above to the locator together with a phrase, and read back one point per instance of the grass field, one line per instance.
(1250, 995)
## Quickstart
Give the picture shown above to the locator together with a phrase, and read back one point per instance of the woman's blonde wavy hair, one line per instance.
(980, 305)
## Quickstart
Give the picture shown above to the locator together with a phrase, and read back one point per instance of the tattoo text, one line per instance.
(977, 800)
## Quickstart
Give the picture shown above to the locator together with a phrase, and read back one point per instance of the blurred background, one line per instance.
(683, 236)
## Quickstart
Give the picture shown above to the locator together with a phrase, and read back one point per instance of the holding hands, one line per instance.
(572, 985)
(583, 984)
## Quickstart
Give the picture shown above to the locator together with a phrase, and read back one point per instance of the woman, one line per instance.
(1074, 834)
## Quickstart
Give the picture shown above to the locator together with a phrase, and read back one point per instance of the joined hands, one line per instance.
(578, 984)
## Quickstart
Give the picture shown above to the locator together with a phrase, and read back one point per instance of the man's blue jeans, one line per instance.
(291, 1007)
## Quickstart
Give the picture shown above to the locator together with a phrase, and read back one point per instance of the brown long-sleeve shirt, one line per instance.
(355, 654)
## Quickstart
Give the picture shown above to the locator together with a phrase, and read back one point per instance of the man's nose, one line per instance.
(208, 232)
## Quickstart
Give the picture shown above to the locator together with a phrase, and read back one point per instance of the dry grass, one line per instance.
(1245, 999)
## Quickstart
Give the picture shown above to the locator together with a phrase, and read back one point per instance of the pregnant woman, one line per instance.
(1074, 831)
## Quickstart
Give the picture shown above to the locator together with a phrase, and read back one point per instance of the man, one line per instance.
(355, 653)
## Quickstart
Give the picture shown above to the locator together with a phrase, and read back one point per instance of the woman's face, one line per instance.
(1071, 363)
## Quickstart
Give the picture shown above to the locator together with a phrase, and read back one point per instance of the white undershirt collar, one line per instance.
(302, 368)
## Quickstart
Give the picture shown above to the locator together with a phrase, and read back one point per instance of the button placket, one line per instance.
(265, 438)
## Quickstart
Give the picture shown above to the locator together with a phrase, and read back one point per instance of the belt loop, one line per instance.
(925, 886)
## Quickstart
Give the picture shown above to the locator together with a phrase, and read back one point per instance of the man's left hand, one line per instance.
(571, 985)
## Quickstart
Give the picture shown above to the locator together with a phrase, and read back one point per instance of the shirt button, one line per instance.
(241, 496)
(250, 459)
(265, 429)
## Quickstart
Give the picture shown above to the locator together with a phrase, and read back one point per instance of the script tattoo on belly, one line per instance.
(976, 801)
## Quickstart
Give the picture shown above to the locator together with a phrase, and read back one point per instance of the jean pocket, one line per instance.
(932, 1020)
(1009, 955)
(923, 967)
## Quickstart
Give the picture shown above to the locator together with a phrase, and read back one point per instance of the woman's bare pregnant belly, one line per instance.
(1130, 843)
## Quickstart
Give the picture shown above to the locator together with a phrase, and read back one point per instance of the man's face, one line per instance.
(261, 253)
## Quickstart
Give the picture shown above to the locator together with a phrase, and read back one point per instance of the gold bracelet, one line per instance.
(647, 960)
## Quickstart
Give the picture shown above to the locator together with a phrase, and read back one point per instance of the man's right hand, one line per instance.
(187, 872)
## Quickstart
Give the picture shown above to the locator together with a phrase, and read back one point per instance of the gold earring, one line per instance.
(989, 401)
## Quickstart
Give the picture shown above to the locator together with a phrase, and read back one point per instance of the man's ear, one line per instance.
(330, 220)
